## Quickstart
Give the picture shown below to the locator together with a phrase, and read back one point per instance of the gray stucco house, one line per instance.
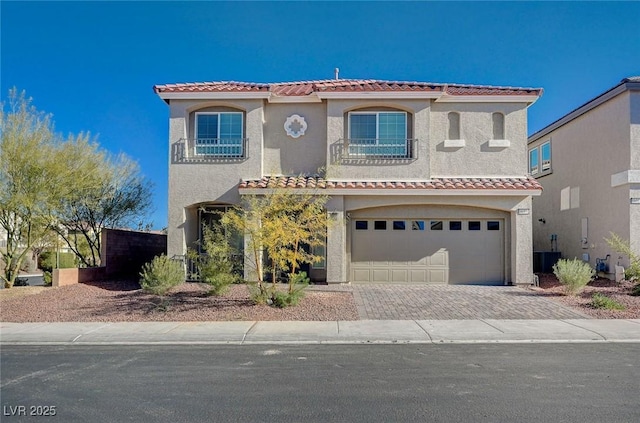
(588, 162)
(428, 182)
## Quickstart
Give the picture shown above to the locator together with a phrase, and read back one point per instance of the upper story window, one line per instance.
(498, 126)
(379, 134)
(219, 134)
(540, 159)
(454, 126)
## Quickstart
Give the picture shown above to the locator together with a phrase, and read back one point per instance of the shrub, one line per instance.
(573, 274)
(160, 275)
(21, 282)
(623, 246)
(216, 267)
(47, 260)
(635, 291)
(599, 300)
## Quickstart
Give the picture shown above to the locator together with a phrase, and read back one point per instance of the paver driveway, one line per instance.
(443, 302)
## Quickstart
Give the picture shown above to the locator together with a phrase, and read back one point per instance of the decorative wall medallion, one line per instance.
(295, 126)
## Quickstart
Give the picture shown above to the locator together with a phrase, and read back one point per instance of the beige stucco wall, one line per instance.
(476, 158)
(585, 153)
(634, 189)
(284, 155)
(401, 169)
(191, 184)
(271, 151)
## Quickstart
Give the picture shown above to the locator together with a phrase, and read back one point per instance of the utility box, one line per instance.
(543, 261)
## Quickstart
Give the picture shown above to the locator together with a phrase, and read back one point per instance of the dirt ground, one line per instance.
(117, 301)
(124, 301)
(551, 288)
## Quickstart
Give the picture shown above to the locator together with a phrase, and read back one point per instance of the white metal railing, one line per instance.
(209, 150)
(377, 149)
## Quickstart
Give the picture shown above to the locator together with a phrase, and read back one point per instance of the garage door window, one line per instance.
(474, 225)
(455, 225)
(436, 225)
(362, 225)
(380, 225)
(493, 225)
(417, 225)
(398, 225)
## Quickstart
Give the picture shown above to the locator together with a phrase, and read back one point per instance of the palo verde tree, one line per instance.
(284, 225)
(34, 179)
(119, 197)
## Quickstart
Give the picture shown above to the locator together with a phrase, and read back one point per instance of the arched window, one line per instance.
(454, 126)
(498, 126)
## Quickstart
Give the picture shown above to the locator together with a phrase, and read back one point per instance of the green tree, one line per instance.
(280, 223)
(215, 265)
(34, 179)
(118, 197)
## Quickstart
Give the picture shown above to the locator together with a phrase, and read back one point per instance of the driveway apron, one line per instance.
(454, 302)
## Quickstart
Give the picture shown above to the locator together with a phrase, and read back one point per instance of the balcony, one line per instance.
(209, 150)
(351, 151)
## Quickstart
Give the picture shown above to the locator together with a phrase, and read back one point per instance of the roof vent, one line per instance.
(337, 72)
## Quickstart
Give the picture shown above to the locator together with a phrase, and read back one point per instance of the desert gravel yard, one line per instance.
(125, 301)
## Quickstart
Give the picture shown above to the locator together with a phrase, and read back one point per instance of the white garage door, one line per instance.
(456, 251)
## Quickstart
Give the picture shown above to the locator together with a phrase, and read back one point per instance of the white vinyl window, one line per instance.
(540, 159)
(219, 134)
(378, 134)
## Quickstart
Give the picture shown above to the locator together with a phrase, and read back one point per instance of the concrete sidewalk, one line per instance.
(334, 332)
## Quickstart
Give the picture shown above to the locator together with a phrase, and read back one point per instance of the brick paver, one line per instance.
(456, 302)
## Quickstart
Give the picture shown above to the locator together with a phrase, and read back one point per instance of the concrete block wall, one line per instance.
(125, 252)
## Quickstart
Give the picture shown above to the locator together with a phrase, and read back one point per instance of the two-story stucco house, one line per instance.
(588, 162)
(427, 182)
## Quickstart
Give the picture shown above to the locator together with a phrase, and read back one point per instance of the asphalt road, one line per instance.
(583, 383)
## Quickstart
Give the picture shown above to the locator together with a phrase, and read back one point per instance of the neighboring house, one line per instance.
(427, 182)
(589, 165)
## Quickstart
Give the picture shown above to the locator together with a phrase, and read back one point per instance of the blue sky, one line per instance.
(93, 64)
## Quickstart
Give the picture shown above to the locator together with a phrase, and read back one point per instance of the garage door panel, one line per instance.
(419, 276)
(399, 275)
(429, 256)
(438, 276)
(380, 275)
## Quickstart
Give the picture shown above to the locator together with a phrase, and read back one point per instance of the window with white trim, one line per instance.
(540, 159)
(378, 134)
(219, 134)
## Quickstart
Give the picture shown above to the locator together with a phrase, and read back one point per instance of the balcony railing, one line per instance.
(205, 150)
(376, 149)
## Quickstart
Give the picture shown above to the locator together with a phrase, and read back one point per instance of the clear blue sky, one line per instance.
(93, 64)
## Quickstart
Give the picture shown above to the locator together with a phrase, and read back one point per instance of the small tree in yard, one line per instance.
(280, 223)
(35, 177)
(573, 274)
(215, 266)
(160, 275)
(118, 198)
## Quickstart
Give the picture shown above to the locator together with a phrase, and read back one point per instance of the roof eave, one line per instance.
(497, 98)
(222, 95)
(586, 107)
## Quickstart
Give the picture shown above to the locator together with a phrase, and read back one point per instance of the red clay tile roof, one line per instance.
(210, 87)
(304, 88)
(313, 182)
